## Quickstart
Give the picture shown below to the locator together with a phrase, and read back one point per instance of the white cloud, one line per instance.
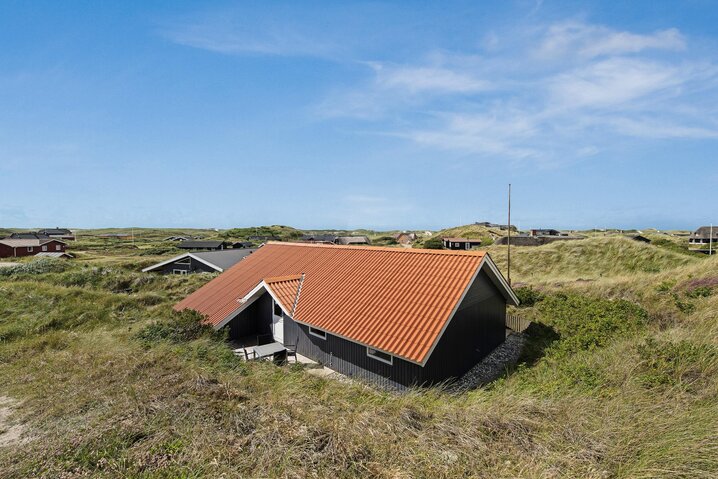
(590, 41)
(583, 86)
(652, 128)
(419, 79)
(614, 81)
(234, 34)
(497, 134)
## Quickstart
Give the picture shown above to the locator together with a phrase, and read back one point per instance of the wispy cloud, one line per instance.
(422, 79)
(548, 93)
(615, 81)
(234, 33)
(565, 89)
(589, 41)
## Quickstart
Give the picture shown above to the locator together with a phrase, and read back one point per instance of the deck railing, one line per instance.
(516, 323)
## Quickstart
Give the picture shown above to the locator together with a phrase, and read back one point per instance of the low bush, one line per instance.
(673, 363)
(181, 327)
(164, 248)
(384, 241)
(586, 323)
(433, 243)
(528, 296)
(37, 266)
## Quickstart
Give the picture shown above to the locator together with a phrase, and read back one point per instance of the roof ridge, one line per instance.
(279, 279)
(382, 248)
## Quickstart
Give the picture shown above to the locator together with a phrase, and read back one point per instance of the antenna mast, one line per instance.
(509, 239)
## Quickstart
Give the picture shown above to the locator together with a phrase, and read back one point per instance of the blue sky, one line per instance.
(346, 115)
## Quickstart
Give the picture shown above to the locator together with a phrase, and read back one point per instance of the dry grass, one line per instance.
(97, 402)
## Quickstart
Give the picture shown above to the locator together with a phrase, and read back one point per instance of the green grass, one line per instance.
(618, 380)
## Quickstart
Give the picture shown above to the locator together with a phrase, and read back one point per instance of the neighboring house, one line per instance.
(242, 244)
(178, 238)
(58, 233)
(14, 248)
(355, 240)
(545, 232)
(460, 243)
(203, 245)
(703, 235)
(28, 235)
(318, 238)
(405, 238)
(396, 316)
(201, 262)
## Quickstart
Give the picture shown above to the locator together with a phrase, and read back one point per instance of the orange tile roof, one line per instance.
(393, 299)
(285, 289)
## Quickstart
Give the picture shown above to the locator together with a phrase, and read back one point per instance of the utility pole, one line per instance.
(508, 242)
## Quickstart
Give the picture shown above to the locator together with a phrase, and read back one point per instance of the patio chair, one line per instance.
(292, 349)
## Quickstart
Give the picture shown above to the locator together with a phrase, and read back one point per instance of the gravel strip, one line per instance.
(492, 366)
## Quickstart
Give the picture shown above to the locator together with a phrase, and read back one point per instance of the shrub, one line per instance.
(665, 286)
(164, 248)
(528, 296)
(37, 266)
(384, 240)
(433, 243)
(181, 327)
(673, 363)
(684, 306)
(586, 323)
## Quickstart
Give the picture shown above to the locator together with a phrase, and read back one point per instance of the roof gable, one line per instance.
(392, 299)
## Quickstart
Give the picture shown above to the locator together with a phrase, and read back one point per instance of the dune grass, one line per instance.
(620, 380)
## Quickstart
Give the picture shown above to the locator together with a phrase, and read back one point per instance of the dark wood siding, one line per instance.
(256, 320)
(476, 329)
(193, 267)
(350, 358)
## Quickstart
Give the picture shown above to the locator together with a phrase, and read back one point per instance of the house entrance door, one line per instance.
(277, 323)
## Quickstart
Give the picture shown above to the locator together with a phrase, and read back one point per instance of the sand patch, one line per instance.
(10, 433)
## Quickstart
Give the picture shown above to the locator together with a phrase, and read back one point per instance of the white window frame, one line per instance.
(30, 249)
(319, 333)
(58, 247)
(44, 247)
(186, 260)
(390, 361)
(179, 271)
(275, 306)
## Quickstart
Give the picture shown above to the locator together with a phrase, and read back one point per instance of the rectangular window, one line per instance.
(58, 247)
(44, 248)
(380, 356)
(318, 333)
(29, 249)
(179, 271)
(277, 309)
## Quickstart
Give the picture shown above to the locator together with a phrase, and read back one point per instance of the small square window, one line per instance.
(44, 248)
(318, 333)
(380, 355)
